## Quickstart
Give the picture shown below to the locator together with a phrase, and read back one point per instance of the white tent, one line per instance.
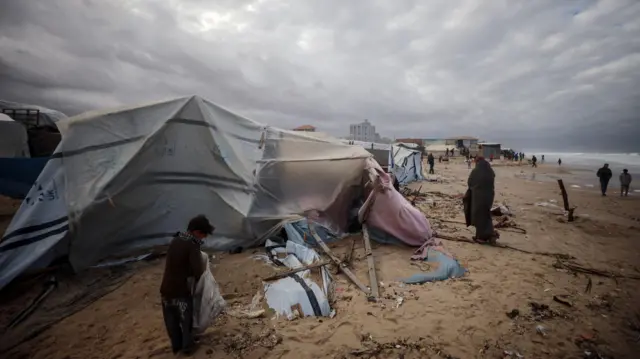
(47, 117)
(129, 179)
(405, 164)
(14, 141)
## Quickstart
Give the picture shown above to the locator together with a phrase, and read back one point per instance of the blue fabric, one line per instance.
(298, 232)
(17, 175)
(447, 268)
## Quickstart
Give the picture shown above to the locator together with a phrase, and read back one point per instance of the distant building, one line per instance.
(417, 141)
(363, 131)
(305, 128)
(490, 149)
(467, 143)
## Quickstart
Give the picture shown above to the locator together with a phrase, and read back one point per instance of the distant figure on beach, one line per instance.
(431, 161)
(534, 161)
(625, 182)
(478, 201)
(515, 157)
(605, 175)
(468, 161)
(542, 159)
(559, 161)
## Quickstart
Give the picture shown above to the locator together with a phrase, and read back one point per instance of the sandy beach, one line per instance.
(459, 318)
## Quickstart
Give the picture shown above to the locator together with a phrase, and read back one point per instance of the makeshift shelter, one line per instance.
(14, 141)
(405, 164)
(129, 179)
(490, 149)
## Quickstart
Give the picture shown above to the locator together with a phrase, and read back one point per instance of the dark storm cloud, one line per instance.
(542, 73)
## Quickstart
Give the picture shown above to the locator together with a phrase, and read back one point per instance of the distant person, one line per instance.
(559, 161)
(542, 159)
(183, 267)
(431, 161)
(515, 157)
(396, 183)
(605, 175)
(491, 158)
(478, 201)
(534, 161)
(625, 182)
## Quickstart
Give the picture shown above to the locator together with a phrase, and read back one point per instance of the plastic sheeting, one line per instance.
(47, 117)
(297, 292)
(137, 175)
(405, 164)
(388, 211)
(17, 175)
(14, 141)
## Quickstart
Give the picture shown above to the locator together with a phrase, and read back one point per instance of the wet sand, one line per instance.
(463, 318)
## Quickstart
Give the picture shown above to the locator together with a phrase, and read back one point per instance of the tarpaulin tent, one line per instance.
(14, 141)
(130, 178)
(405, 164)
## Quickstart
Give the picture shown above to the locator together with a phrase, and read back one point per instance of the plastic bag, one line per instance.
(207, 300)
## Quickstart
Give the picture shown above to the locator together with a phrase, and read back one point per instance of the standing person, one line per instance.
(605, 175)
(559, 161)
(625, 182)
(542, 159)
(491, 158)
(478, 201)
(515, 157)
(431, 161)
(182, 270)
(534, 161)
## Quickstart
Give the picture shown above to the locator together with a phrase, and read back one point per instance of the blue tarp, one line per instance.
(447, 268)
(17, 175)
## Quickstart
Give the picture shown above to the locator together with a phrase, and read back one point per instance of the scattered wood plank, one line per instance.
(295, 270)
(373, 280)
(565, 200)
(341, 266)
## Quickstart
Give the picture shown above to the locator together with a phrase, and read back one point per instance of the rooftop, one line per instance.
(462, 138)
(305, 128)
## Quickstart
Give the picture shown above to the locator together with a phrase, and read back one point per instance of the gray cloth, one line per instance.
(625, 179)
(178, 319)
(480, 197)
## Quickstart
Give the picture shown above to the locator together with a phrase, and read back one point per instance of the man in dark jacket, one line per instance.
(605, 175)
(182, 270)
(478, 201)
(431, 161)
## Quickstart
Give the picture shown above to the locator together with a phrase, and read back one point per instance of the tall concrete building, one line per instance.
(363, 131)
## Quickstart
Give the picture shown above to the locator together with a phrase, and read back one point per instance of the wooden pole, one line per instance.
(341, 266)
(371, 263)
(296, 270)
(565, 199)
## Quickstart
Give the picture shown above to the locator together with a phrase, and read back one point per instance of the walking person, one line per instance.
(559, 161)
(183, 268)
(534, 161)
(605, 175)
(478, 201)
(431, 161)
(625, 182)
(542, 159)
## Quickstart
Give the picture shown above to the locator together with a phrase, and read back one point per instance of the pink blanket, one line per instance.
(388, 210)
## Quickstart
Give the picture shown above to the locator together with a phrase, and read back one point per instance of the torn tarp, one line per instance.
(297, 295)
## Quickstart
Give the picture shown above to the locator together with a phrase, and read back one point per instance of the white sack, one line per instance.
(207, 300)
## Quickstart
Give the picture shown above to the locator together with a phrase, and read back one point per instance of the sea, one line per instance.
(583, 167)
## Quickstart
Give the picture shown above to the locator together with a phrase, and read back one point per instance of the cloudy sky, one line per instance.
(535, 74)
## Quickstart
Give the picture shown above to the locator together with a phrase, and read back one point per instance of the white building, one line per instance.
(363, 131)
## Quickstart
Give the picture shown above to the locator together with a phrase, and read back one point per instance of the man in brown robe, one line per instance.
(478, 201)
